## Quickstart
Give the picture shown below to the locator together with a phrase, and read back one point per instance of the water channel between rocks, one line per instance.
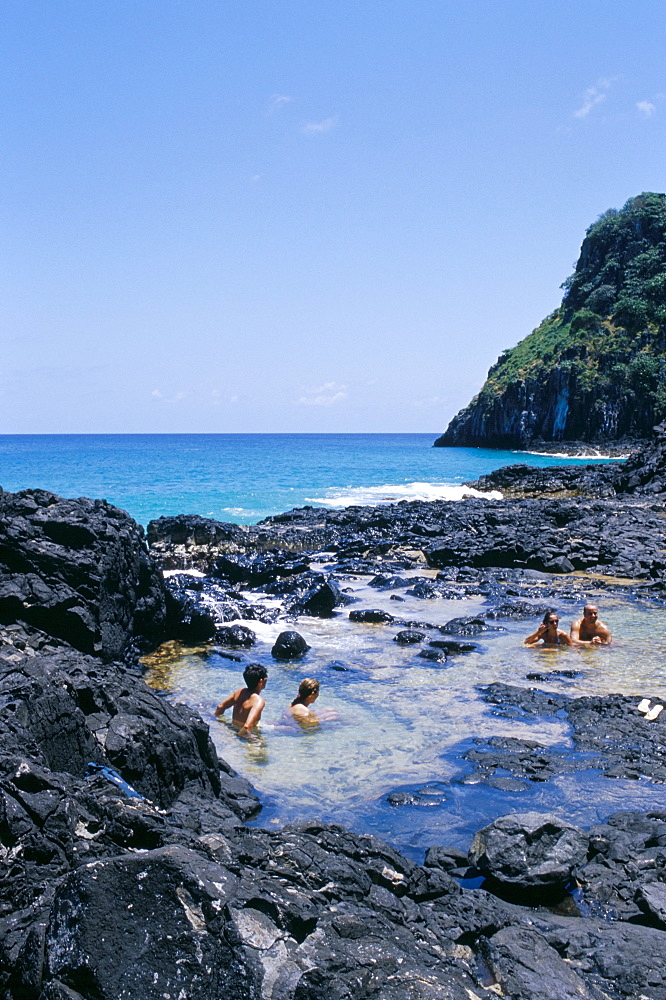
(404, 724)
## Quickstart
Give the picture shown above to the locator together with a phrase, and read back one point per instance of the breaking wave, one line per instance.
(359, 496)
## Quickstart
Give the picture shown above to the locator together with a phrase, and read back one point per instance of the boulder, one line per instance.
(526, 967)
(372, 617)
(469, 625)
(434, 655)
(651, 898)
(78, 570)
(236, 636)
(408, 636)
(319, 599)
(529, 851)
(289, 646)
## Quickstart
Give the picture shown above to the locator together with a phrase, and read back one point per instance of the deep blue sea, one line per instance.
(245, 477)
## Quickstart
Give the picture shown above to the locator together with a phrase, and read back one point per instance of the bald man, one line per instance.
(588, 630)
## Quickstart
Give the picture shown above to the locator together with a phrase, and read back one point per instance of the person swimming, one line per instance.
(588, 630)
(308, 692)
(548, 633)
(247, 702)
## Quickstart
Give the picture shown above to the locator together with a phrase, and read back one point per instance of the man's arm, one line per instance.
(574, 634)
(603, 634)
(227, 703)
(253, 717)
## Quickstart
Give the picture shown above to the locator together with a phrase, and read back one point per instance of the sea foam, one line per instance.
(359, 496)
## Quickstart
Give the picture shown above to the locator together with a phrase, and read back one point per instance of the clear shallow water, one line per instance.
(244, 477)
(404, 724)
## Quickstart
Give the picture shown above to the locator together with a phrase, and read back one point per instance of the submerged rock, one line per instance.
(371, 617)
(408, 637)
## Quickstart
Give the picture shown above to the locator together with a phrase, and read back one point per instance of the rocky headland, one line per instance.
(593, 371)
(129, 870)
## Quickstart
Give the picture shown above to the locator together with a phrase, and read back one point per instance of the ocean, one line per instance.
(245, 477)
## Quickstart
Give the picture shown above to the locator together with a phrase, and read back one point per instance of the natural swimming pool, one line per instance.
(404, 723)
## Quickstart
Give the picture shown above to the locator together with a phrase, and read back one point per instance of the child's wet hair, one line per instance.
(307, 687)
(253, 673)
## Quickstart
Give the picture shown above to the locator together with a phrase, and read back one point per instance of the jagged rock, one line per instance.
(529, 851)
(78, 570)
(651, 898)
(526, 967)
(319, 599)
(260, 569)
(289, 646)
(236, 636)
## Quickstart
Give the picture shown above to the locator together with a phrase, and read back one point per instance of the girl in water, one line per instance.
(308, 692)
(548, 633)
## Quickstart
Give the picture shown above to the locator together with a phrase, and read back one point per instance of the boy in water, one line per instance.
(247, 702)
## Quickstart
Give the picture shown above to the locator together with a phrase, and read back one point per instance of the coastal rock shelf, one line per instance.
(129, 870)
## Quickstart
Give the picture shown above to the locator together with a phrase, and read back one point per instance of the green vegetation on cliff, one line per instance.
(595, 369)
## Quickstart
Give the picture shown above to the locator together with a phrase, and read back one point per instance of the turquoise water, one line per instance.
(244, 477)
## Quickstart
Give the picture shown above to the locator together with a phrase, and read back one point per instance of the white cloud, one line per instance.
(646, 108)
(277, 102)
(324, 395)
(592, 97)
(176, 398)
(316, 128)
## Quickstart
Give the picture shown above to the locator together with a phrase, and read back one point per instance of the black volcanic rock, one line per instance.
(78, 570)
(289, 646)
(529, 851)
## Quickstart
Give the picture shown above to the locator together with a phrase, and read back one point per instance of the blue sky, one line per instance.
(301, 215)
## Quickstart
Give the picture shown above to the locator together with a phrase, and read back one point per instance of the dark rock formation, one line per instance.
(373, 616)
(592, 371)
(236, 636)
(78, 570)
(529, 851)
(408, 636)
(289, 646)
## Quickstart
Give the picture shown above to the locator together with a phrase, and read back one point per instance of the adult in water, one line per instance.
(548, 633)
(308, 692)
(588, 630)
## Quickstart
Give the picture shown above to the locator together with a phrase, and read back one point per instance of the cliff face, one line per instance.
(595, 370)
